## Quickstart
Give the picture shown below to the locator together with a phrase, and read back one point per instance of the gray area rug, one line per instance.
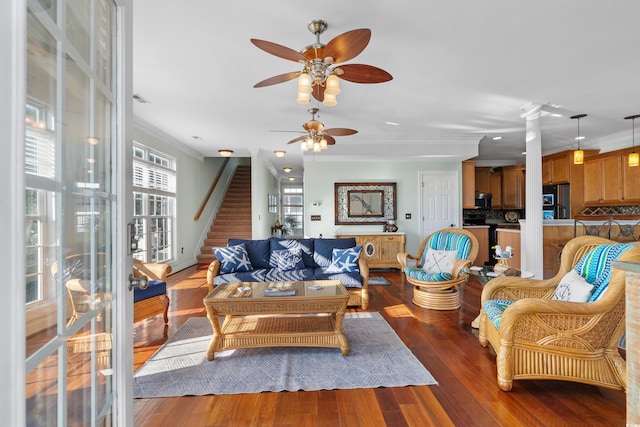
(378, 358)
(378, 281)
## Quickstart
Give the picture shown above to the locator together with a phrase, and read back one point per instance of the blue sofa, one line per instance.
(276, 260)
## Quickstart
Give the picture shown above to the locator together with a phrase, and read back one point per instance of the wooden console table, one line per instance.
(310, 318)
(380, 249)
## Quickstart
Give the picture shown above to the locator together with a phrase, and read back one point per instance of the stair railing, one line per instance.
(211, 189)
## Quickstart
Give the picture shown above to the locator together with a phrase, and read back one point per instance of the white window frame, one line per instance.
(154, 179)
(299, 191)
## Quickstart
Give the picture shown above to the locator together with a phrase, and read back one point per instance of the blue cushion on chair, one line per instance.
(155, 288)
(423, 276)
(595, 266)
(495, 308)
(448, 241)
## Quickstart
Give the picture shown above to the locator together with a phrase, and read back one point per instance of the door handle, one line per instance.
(141, 282)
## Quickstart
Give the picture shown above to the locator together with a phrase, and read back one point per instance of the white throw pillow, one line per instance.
(436, 261)
(573, 287)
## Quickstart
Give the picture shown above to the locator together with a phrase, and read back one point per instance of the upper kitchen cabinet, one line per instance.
(495, 186)
(513, 187)
(468, 184)
(483, 180)
(556, 169)
(603, 181)
(631, 183)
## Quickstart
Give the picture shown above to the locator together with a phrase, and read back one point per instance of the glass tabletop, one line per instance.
(488, 272)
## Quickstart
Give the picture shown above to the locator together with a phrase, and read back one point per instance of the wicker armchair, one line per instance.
(154, 299)
(541, 338)
(440, 291)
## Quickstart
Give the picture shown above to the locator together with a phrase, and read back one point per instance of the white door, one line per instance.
(71, 201)
(439, 201)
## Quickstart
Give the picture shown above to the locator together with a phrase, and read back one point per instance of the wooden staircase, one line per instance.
(233, 219)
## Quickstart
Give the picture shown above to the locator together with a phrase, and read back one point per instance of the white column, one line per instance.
(531, 243)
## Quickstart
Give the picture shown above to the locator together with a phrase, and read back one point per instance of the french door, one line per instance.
(71, 302)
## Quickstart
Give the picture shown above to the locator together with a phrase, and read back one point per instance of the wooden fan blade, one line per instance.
(318, 92)
(330, 140)
(347, 45)
(339, 131)
(279, 50)
(278, 79)
(300, 138)
(361, 73)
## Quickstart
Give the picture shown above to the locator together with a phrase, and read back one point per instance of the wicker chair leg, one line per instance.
(165, 301)
(504, 362)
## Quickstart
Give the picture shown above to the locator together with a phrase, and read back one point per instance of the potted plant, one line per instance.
(290, 224)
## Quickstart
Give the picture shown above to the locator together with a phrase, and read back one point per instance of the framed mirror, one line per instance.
(364, 202)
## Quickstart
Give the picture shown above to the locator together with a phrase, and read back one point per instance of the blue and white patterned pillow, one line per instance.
(595, 266)
(345, 260)
(233, 259)
(286, 259)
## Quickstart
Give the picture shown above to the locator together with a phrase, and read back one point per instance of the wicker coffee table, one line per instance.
(312, 317)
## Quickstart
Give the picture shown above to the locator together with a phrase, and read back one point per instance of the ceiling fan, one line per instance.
(318, 77)
(316, 137)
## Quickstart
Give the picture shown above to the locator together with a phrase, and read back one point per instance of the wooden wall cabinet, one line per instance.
(380, 249)
(483, 180)
(513, 187)
(603, 181)
(468, 184)
(556, 169)
(482, 234)
(631, 176)
(495, 185)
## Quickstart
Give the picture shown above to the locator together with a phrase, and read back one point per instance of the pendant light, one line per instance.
(633, 156)
(578, 155)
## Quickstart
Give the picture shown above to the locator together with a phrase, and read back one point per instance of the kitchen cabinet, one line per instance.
(495, 186)
(468, 184)
(482, 234)
(557, 169)
(380, 249)
(483, 180)
(513, 187)
(631, 177)
(510, 237)
(603, 181)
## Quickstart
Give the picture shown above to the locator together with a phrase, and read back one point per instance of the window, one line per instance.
(154, 187)
(293, 209)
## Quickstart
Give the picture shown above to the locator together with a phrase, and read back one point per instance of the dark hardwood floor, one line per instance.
(467, 394)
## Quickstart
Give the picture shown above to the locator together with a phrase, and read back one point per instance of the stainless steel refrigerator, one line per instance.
(555, 201)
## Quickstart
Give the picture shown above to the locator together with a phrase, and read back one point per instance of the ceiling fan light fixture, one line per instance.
(316, 147)
(279, 153)
(578, 155)
(329, 100)
(303, 146)
(323, 144)
(333, 85)
(304, 88)
(634, 159)
(225, 153)
(309, 142)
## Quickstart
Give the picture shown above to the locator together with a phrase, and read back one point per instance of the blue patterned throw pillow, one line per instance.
(286, 259)
(233, 259)
(345, 260)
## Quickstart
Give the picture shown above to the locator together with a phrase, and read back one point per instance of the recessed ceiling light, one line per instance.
(279, 153)
(197, 138)
(497, 138)
(287, 169)
(291, 178)
(225, 153)
(393, 123)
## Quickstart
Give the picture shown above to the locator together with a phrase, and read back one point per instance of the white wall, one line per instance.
(319, 179)
(194, 176)
(263, 182)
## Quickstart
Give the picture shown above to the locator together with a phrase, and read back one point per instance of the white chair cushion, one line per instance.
(573, 287)
(439, 261)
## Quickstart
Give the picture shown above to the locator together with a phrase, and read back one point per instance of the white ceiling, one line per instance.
(462, 72)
